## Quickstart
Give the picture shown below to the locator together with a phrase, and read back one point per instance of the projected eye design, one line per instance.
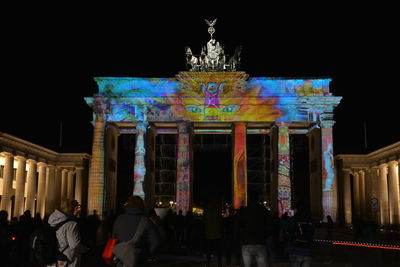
(194, 109)
(231, 108)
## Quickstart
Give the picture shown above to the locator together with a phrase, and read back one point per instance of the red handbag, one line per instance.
(108, 251)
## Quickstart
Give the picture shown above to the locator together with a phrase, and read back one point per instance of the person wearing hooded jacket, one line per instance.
(68, 236)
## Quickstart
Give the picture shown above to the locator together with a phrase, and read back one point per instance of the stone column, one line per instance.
(284, 189)
(7, 182)
(183, 179)
(96, 171)
(347, 197)
(57, 187)
(362, 194)
(375, 194)
(384, 195)
(41, 192)
(329, 184)
(140, 167)
(50, 189)
(368, 195)
(78, 184)
(356, 194)
(70, 187)
(239, 165)
(64, 186)
(31, 186)
(20, 186)
(394, 193)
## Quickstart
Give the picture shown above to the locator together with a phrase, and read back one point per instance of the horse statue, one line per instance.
(191, 61)
(234, 61)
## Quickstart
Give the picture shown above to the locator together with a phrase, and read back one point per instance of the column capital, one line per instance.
(7, 154)
(50, 166)
(41, 164)
(20, 158)
(393, 163)
(383, 165)
(31, 161)
(327, 124)
(63, 170)
(347, 170)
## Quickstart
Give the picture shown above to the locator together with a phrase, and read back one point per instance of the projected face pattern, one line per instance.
(204, 97)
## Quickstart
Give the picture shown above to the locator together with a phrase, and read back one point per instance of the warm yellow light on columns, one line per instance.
(384, 196)
(19, 186)
(78, 184)
(57, 187)
(347, 197)
(64, 185)
(50, 189)
(41, 192)
(7, 182)
(31, 186)
(356, 190)
(70, 189)
(362, 194)
(375, 194)
(394, 197)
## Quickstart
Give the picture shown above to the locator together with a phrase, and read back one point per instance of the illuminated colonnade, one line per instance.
(374, 181)
(217, 97)
(36, 179)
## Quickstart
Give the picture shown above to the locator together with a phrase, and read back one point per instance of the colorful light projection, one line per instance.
(139, 168)
(239, 165)
(328, 175)
(96, 171)
(183, 169)
(205, 96)
(284, 191)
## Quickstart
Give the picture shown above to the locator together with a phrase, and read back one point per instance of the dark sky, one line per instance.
(49, 60)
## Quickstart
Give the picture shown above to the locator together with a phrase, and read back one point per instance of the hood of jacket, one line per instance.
(56, 217)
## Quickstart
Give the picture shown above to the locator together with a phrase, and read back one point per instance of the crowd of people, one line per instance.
(232, 237)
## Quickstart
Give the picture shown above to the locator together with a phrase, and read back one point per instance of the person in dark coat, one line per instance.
(252, 232)
(126, 225)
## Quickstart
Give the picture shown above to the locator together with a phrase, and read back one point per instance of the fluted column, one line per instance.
(183, 179)
(394, 193)
(96, 171)
(362, 194)
(7, 182)
(329, 184)
(239, 165)
(70, 188)
(31, 185)
(57, 187)
(20, 186)
(78, 184)
(384, 196)
(139, 167)
(347, 197)
(41, 192)
(356, 194)
(64, 185)
(50, 189)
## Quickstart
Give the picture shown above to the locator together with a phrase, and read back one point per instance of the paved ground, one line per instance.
(324, 254)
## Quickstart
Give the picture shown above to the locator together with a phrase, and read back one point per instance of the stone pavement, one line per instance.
(325, 254)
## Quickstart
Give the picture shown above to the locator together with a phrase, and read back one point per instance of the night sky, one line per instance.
(49, 60)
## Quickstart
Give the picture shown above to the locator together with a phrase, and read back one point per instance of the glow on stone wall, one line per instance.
(183, 169)
(239, 166)
(284, 192)
(205, 96)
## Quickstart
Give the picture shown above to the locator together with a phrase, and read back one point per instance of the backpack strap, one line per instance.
(139, 230)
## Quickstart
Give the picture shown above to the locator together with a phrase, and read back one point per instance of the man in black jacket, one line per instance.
(252, 232)
(126, 225)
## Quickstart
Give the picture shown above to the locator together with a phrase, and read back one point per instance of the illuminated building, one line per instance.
(38, 179)
(213, 97)
(369, 186)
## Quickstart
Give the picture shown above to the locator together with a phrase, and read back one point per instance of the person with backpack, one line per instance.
(147, 240)
(301, 234)
(58, 242)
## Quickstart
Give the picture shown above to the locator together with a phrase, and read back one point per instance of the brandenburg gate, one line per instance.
(212, 96)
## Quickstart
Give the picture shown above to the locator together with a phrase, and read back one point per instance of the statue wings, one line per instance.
(212, 23)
